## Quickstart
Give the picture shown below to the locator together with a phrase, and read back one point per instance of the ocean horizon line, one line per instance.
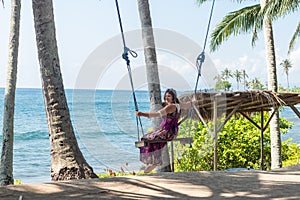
(87, 89)
(107, 89)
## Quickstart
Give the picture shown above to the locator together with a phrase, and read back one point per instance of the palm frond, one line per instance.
(199, 2)
(295, 35)
(235, 23)
(254, 37)
(280, 8)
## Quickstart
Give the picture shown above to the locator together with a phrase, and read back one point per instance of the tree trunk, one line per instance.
(67, 161)
(276, 161)
(6, 166)
(152, 71)
(287, 79)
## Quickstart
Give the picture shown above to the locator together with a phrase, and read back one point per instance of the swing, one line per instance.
(183, 141)
(199, 62)
(139, 125)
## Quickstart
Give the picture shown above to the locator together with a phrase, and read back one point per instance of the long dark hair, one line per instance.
(173, 93)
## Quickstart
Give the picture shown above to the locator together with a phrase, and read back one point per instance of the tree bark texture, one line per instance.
(152, 72)
(276, 155)
(67, 161)
(6, 164)
(150, 59)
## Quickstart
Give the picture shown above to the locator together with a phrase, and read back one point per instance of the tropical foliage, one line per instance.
(238, 146)
(280, 8)
(252, 19)
(223, 82)
(286, 64)
(222, 86)
(255, 84)
(237, 74)
(244, 20)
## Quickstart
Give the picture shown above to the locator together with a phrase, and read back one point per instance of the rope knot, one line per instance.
(201, 57)
(125, 54)
(200, 60)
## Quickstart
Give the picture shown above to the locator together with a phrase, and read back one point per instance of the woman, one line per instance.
(170, 113)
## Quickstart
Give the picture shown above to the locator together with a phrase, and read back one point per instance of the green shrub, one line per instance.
(238, 146)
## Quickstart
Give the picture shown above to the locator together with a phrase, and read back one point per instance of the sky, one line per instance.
(90, 46)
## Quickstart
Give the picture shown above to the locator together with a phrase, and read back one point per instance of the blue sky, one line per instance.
(83, 27)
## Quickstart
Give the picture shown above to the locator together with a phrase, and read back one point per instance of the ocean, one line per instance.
(104, 123)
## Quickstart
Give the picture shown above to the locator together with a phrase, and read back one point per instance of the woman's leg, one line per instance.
(151, 155)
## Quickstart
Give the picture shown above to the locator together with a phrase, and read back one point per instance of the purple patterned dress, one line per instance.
(151, 154)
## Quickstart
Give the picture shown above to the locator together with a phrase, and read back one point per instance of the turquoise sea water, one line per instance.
(105, 127)
(104, 123)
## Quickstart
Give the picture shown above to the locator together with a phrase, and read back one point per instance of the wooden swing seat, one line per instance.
(183, 141)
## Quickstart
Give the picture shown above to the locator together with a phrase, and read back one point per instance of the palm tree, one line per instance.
(238, 77)
(253, 19)
(218, 78)
(245, 76)
(150, 58)
(67, 161)
(275, 137)
(255, 84)
(152, 71)
(6, 164)
(293, 40)
(226, 74)
(286, 64)
(279, 8)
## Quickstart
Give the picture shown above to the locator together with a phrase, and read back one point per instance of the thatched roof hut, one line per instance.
(242, 102)
(210, 106)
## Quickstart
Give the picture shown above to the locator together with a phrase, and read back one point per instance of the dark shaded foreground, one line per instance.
(277, 184)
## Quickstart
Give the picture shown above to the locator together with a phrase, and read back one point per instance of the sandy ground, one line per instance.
(277, 184)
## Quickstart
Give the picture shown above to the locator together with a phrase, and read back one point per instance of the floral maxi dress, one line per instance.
(152, 154)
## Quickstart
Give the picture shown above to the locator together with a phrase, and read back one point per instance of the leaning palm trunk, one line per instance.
(272, 85)
(6, 166)
(152, 71)
(67, 161)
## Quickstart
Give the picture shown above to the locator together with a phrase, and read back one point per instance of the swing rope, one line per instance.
(201, 56)
(199, 61)
(139, 125)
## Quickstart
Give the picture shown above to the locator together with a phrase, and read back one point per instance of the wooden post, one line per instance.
(172, 156)
(262, 140)
(215, 135)
(166, 167)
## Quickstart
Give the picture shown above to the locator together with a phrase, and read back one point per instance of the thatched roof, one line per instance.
(245, 102)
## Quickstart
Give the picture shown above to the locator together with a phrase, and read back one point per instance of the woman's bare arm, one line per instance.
(187, 105)
(163, 112)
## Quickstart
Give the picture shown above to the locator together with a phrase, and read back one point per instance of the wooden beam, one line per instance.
(268, 122)
(203, 121)
(295, 110)
(229, 116)
(253, 122)
(182, 119)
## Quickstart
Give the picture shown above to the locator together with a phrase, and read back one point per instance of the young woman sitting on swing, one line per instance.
(151, 155)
